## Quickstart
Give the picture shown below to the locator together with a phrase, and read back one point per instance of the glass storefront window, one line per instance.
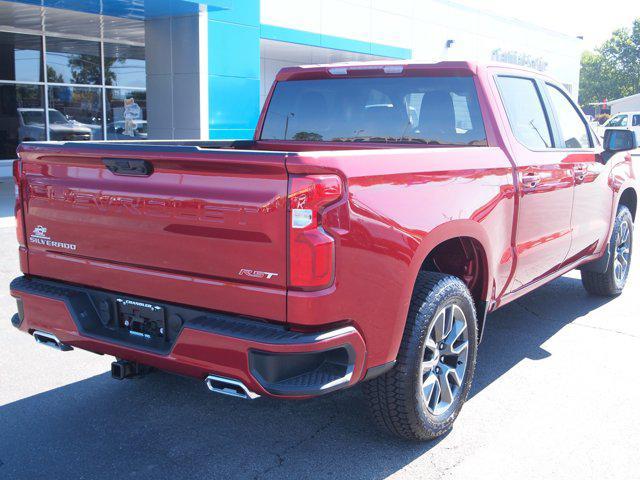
(124, 65)
(91, 85)
(75, 113)
(21, 57)
(20, 117)
(126, 114)
(73, 61)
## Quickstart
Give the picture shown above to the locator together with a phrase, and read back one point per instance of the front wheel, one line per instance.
(421, 396)
(611, 282)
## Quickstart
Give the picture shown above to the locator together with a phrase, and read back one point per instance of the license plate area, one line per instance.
(141, 319)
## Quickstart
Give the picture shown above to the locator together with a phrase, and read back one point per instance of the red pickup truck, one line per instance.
(381, 211)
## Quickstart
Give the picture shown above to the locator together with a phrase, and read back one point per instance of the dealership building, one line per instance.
(170, 69)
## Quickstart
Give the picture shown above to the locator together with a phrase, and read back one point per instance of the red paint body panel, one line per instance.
(184, 234)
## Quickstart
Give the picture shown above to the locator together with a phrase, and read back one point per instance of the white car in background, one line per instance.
(626, 120)
(31, 126)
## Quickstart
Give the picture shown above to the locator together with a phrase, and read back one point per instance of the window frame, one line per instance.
(558, 128)
(551, 124)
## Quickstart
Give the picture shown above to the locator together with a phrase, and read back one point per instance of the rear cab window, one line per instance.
(422, 110)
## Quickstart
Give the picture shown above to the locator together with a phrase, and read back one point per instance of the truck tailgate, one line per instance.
(204, 227)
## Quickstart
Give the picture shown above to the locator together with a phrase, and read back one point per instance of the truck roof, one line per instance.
(393, 66)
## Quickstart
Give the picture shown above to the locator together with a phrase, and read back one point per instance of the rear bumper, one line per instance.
(267, 358)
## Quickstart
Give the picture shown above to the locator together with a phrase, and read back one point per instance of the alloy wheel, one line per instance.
(622, 253)
(444, 361)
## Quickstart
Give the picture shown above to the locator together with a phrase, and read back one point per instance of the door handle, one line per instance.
(579, 172)
(126, 166)
(531, 180)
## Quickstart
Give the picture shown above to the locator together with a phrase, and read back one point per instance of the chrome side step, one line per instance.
(229, 386)
(50, 340)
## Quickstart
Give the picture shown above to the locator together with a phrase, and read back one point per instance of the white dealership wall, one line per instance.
(425, 27)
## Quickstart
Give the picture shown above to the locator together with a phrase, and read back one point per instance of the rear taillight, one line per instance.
(17, 181)
(311, 249)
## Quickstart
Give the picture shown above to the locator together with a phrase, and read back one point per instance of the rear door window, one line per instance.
(636, 121)
(527, 117)
(423, 110)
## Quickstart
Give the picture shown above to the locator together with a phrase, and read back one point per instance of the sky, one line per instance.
(591, 19)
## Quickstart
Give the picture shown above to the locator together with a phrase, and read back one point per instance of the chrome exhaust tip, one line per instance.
(50, 340)
(229, 386)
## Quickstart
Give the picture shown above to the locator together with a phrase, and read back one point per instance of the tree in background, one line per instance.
(613, 70)
(53, 76)
(86, 69)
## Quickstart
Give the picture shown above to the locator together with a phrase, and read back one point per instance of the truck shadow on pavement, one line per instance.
(163, 426)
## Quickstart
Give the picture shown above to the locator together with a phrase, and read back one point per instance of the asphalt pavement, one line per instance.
(556, 395)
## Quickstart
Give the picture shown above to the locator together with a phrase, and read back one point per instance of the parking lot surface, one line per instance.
(556, 395)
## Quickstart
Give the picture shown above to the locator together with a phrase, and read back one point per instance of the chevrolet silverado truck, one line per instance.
(381, 211)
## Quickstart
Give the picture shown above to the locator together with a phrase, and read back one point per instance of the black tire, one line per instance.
(396, 398)
(607, 284)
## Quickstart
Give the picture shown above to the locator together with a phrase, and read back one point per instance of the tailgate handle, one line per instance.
(127, 166)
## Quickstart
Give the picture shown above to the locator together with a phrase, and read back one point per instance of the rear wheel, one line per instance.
(422, 395)
(611, 282)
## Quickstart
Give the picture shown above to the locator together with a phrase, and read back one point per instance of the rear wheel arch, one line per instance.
(466, 239)
(464, 257)
(453, 231)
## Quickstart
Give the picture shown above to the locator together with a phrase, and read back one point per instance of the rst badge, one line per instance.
(39, 237)
(257, 274)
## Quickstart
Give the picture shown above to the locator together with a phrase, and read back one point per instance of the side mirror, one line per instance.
(618, 140)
